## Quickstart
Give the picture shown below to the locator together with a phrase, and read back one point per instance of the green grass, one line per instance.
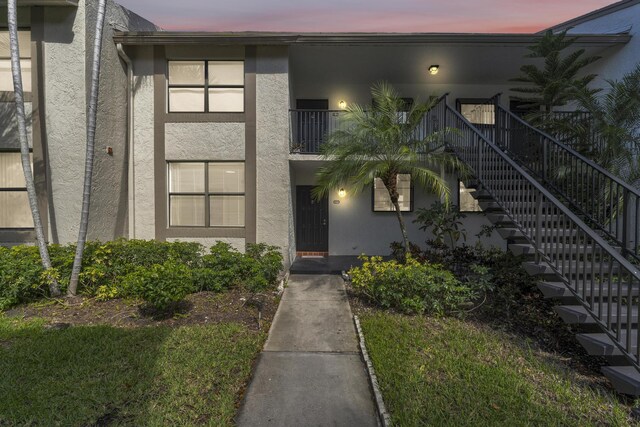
(449, 372)
(114, 376)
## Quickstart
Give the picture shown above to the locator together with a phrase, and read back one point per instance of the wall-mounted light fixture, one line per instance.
(342, 105)
(342, 193)
(433, 69)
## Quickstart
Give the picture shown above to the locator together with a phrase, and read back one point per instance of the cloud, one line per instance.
(362, 15)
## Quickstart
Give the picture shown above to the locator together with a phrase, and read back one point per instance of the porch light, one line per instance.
(433, 70)
(342, 105)
(342, 193)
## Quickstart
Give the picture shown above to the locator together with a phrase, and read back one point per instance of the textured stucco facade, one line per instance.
(204, 141)
(142, 192)
(274, 204)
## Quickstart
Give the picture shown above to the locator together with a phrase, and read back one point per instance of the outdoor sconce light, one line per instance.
(433, 70)
(342, 193)
(342, 105)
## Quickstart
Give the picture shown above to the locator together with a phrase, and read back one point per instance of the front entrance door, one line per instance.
(312, 221)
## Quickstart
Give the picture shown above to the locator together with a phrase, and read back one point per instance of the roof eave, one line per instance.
(612, 8)
(196, 38)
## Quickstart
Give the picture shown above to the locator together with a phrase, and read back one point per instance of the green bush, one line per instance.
(412, 287)
(257, 269)
(107, 265)
(161, 285)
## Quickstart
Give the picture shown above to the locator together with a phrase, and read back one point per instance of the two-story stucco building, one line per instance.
(214, 136)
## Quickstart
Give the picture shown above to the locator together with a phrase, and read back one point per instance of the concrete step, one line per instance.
(561, 290)
(625, 379)
(556, 250)
(553, 233)
(602, 345)
(578, 315)
(499, 218)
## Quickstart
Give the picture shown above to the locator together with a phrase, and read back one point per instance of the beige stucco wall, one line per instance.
(274, 204)
(204, 141)
(142, 197)
(65, 116)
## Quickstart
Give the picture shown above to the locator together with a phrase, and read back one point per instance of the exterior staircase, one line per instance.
(575, 224)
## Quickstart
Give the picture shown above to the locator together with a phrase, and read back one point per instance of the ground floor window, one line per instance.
(466, 202)
(206, 194)
(14, 202)
(6, 78)
(382, 201)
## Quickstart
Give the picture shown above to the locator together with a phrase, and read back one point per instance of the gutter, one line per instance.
(130, 142)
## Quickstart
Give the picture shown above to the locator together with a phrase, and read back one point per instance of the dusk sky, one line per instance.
(508, 16)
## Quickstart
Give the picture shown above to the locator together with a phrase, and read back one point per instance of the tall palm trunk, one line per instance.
(16, 71)
(91, 138)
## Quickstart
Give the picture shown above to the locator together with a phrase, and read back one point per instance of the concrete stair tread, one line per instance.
(561, 290)
(577, 314)
(600, 344)
(625, 379)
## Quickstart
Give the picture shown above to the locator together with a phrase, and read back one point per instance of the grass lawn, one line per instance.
(105, 375)
(459, 373)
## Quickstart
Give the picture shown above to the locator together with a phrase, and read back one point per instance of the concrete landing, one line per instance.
(310, 372)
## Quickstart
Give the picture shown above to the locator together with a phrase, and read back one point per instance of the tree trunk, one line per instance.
(391, 183)
(91, 137)
(403, 228)
(16, 71)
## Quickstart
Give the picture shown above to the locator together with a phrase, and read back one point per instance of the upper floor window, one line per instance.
(14, 203)
(382, 200)
(206, 86)
(6, 79)
(477, 111)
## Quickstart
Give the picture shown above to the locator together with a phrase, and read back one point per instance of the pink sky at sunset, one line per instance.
(482, 16)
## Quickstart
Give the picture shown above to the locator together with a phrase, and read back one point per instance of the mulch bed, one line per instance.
(202, 308)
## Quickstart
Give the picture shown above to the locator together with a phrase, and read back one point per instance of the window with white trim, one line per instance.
(206, 194)
(6, 78)
(382, 200)
(15, 211)
(206, 86)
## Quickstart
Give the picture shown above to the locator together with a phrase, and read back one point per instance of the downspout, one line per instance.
(130, 142)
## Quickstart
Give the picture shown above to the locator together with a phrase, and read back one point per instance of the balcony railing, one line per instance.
(310, 129)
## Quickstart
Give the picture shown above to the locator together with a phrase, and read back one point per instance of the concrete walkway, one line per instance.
(310, 372)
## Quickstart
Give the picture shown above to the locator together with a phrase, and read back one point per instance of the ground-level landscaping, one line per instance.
(160, 333)
(104, 363)
(457, 372)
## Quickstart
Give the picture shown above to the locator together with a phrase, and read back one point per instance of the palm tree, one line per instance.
(91, 138)
(384, 142)
(556, 82)
(16, 72)
(615, 126)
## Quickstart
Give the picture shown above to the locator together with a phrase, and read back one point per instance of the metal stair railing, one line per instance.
(531, 207)
(604, 200)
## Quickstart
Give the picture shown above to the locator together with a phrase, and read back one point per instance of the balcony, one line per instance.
(310, 129)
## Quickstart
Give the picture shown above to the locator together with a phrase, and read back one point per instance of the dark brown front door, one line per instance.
(312, 221)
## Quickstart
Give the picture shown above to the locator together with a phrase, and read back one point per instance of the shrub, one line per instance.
(411, 287)
(263, 271)
(444, 222)
(257, 269)
(107, 267)
(161, 285)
